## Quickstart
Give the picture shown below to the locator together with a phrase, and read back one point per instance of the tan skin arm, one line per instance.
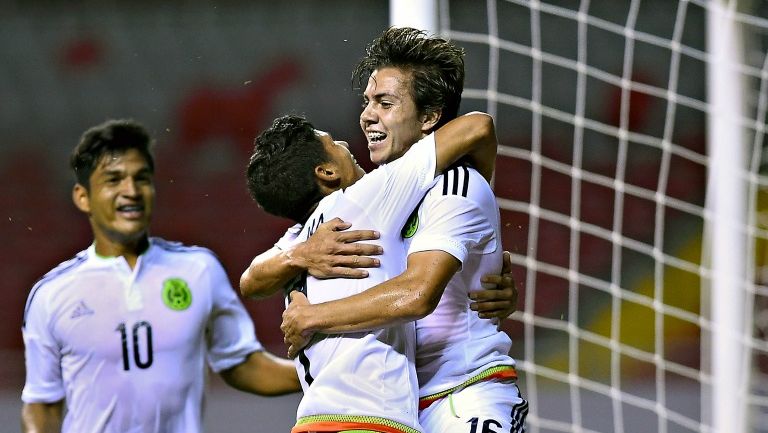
(410, 296)
(405, 298)
(263, 373)
(331, 252)
(473, 135)
(42, 417)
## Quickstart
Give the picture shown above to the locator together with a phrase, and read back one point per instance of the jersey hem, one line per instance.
(502, 372)
(336, 423)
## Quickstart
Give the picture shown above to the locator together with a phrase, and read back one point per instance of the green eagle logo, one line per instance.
(176, 294)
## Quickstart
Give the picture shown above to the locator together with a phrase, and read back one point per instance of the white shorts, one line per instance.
(484, 407)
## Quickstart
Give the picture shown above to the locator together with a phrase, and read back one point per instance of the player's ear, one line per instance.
(328, 176)
(326, 172)
(429, 120)
(80, 198)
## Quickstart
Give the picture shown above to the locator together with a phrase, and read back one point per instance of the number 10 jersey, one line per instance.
(128, 348)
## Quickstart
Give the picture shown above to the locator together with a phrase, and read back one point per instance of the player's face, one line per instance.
(349, 170)
(120, 199)
(390, 120)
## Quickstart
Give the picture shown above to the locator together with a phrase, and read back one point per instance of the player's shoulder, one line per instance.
(178, 251)
(461, 181)
(57, 277)
(61, 271)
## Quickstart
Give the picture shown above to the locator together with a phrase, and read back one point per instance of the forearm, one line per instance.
(268, 273)
(263, 373)
(405, 298)
(483, 156)
(41, 417)
(472, 135)
(399, 300)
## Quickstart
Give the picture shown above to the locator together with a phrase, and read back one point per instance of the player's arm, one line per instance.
(263, 373)
(410, 296)
(331, 252)
(498, 302)
(473, 135)
(42, 417)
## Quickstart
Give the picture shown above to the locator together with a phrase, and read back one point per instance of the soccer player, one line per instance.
(366, 380)
(466, 376)
(121, 333)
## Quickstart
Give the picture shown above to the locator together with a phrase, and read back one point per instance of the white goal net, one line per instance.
(632, 185)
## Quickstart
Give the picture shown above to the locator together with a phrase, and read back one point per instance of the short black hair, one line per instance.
(436, 66)
(281, 169)
(113, 137)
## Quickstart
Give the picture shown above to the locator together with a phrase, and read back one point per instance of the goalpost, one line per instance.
(633, 183)
(727, 203)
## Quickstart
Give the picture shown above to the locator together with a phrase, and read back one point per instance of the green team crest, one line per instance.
(410, 227)
(176, 294)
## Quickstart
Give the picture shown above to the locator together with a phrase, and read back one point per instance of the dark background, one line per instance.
(205, 77)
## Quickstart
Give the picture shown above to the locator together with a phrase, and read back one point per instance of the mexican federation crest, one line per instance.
(176, 294)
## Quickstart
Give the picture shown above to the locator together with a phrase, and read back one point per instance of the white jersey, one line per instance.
(365, 380)
(127, 349)
(460, 216)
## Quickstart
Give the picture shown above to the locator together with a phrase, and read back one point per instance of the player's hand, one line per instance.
(295, 336)
(333, 251)
(501, 301)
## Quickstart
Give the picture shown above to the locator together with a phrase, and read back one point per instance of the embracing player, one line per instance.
(364, 380)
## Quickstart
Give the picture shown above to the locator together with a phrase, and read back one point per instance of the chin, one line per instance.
(377, 158)
(131, 234)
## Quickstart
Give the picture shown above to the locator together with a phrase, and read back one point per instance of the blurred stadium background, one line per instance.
(205, 77)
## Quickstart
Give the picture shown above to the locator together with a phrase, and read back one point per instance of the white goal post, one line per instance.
(420, 14)
(650, 116)
(727, 205)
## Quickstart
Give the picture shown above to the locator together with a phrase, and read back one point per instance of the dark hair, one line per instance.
(281, 170)
(113, 137)
(436, 67)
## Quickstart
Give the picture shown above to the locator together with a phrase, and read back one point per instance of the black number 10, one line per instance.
(137, 358)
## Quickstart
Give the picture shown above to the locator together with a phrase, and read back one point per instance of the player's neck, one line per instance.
(129, 250)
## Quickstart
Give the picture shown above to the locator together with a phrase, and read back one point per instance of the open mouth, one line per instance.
(375, 137)
(131, 211)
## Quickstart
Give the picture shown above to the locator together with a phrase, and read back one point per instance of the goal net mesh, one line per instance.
(602, 113)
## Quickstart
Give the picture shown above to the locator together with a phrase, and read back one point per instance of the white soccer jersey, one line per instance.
(365, 380)
(126, 348)
(460, 216)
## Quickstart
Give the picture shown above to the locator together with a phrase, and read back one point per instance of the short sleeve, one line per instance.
(289, 238)
(231, 335)
(453, 224)
(42, 354)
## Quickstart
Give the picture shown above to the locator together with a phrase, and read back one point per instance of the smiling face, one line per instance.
(340, 159)
(118, 200)
(390, 119)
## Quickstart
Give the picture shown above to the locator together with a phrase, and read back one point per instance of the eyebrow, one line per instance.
(380, 95)
(119, 172)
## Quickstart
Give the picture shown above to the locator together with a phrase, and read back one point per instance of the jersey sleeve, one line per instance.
(454, 224)
(392, 191)
(231, 336)
(289, 238)
(42, 354)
